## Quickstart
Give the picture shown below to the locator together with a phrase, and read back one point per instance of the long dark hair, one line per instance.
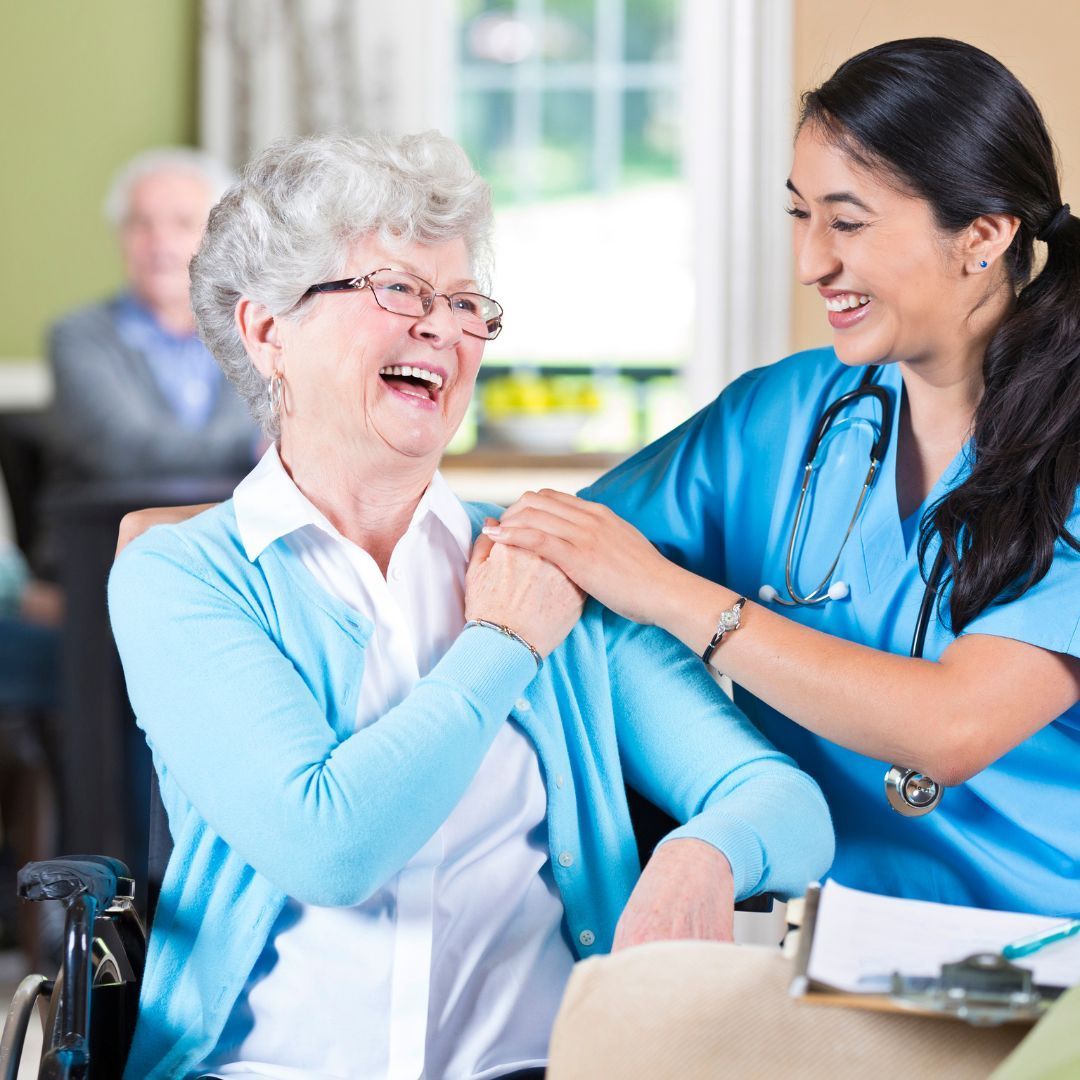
(957, 129)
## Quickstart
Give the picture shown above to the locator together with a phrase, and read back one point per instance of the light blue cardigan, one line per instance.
(244, 676)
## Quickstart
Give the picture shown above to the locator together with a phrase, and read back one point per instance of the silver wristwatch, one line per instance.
(729, 621)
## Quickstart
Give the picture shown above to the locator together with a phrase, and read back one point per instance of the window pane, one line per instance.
(493, 36)
(564, 161)
(469, 9)
(486, 130)
(602, 281)
(650, 29)
(569, 30)
(650, 136)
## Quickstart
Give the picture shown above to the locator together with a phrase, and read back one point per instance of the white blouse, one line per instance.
(454, 967)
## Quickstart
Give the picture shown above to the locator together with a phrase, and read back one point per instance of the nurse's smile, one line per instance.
(844, 308)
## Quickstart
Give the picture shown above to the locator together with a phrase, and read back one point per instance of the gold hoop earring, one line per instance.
(275, 392)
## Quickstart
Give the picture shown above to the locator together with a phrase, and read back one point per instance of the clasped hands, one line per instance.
(600, 552)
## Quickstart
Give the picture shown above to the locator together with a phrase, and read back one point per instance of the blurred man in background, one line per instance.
(136, 392)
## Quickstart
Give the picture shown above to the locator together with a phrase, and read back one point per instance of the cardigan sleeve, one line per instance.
(325, 819)
(687, 748)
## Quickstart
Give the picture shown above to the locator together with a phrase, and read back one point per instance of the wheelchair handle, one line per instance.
(71, 876)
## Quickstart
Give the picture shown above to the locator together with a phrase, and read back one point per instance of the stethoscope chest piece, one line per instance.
(910, 792)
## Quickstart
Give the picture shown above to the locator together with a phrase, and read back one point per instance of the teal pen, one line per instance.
(1025, 946)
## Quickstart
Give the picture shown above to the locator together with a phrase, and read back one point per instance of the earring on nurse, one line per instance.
(983, 264)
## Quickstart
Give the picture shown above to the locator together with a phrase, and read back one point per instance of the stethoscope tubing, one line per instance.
(821, 593)
(907, 791)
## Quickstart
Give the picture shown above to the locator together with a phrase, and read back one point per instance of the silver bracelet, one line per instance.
(510, 634)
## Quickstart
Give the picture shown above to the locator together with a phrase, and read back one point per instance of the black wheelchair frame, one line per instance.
(88, 1011)
(94, 1000)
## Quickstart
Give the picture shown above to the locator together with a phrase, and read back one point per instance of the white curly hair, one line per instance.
(297, 209)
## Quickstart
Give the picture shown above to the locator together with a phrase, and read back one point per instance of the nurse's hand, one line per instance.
(593, 546)
(685, 892)
(523, 592)
(138, 521)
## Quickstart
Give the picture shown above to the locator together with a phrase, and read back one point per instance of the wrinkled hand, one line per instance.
(138, 521)
(522, 591)
(685, 892)
(603, 554)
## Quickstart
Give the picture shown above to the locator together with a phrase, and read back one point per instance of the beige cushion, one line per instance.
(701, 1009)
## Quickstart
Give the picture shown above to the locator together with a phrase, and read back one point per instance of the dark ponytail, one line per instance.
(961, 132)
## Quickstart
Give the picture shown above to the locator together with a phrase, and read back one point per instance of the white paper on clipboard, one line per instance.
(860, 939)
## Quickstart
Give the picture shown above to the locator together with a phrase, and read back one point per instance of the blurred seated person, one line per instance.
(136, 392)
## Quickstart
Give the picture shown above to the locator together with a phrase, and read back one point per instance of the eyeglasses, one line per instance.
(407, 294)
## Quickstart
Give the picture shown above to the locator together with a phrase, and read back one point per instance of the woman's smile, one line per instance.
(845, 309)
(419, 385)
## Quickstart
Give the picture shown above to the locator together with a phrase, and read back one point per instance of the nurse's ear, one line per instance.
(985, 240)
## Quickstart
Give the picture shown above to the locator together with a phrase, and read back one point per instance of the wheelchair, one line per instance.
(89, 1009)
(94, 999)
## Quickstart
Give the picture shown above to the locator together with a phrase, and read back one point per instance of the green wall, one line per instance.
(83, 86)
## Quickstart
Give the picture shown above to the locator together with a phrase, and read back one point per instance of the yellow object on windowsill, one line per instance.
(541, 414)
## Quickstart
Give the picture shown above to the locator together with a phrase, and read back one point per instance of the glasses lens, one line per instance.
(477, 314)
(400, 292)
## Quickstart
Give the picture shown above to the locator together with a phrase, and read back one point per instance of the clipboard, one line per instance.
(983, 989)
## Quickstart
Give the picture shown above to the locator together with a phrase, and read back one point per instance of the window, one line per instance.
(570, 108)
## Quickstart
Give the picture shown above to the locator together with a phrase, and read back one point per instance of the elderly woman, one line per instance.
(394, 776)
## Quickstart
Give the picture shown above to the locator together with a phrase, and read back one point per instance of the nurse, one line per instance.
(924, 197)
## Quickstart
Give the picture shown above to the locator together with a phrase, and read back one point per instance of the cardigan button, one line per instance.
(586, 937)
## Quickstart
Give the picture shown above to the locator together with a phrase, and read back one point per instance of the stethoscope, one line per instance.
(908, 791)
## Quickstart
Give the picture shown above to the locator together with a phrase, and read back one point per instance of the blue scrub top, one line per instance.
(718, 496)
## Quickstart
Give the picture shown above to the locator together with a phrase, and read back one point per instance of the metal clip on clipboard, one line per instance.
(984, 989)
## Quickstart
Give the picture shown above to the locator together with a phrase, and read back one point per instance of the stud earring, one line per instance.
(983, 264)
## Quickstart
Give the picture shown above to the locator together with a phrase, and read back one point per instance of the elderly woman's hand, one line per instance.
(685, 892)
(522, 591)
(603, 554)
